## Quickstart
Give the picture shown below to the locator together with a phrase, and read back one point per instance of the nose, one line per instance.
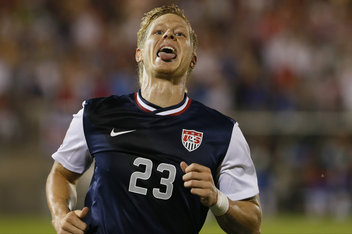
(169, 34)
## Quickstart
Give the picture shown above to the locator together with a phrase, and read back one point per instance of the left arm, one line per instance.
(242, 216)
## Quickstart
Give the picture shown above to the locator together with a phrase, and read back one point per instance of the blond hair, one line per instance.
(150, 16)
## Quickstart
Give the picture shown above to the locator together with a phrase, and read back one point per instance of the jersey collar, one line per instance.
(172, 110)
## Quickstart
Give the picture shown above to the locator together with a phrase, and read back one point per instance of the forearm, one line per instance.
(61, 194)
(242, 217)
(233, 216)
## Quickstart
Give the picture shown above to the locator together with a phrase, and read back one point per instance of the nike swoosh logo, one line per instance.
(113, 133)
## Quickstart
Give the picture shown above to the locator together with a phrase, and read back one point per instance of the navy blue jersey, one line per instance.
(137, 185)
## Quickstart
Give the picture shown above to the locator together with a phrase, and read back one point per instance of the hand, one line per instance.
(72, 222)
(200, 180)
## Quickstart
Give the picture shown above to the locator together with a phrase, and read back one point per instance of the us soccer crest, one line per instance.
(191, 139)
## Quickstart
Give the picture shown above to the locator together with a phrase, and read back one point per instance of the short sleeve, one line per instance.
(237, 177)
(73, 153)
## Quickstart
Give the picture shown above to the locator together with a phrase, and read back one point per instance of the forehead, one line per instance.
(169, 20)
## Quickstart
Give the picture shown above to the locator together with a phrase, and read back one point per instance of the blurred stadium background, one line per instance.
(282, 69)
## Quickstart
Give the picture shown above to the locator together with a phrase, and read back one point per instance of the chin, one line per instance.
(165, 74)
(166, 69)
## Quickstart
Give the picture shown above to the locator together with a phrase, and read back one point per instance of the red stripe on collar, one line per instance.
(147, 108)
(184, 109)
(140, 106)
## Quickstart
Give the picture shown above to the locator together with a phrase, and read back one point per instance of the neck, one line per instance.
(163, 92)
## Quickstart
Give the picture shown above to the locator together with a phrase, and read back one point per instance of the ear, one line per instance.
(193, 61)
(139, 55)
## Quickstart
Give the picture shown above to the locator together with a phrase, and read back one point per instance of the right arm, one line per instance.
(60, 193)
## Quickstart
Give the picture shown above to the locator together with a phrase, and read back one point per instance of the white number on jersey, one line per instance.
(168, 182)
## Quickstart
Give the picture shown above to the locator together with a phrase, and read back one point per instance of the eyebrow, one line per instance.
(177, 26)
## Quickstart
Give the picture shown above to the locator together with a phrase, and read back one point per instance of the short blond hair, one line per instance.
(155, 13)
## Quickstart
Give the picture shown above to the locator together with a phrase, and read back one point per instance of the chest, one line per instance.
(170, 139)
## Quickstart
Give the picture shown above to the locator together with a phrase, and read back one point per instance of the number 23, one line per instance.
(168, 182)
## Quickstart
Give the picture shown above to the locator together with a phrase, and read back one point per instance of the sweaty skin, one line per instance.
(163, 84)
(242, 217)
(60, 191)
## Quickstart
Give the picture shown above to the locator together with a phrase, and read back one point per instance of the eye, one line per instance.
(158, 32)
(180, 34)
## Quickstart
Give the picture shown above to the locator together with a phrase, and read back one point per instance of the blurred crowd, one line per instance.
(254, 55)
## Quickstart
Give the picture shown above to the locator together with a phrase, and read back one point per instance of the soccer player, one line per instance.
(161, 159)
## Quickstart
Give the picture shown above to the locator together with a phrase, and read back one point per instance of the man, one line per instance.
(157, 153)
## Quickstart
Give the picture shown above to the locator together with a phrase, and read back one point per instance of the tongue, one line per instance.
(167, 56)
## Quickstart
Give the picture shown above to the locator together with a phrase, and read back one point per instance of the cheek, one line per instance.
(148, 48)
(188, 55)
(188, 50)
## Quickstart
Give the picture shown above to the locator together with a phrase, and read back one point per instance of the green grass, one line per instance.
(25, 225)
(299, 224)
(284, 224)
(293, 224)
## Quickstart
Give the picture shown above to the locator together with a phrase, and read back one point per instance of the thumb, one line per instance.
(183, 166)
(82, 213)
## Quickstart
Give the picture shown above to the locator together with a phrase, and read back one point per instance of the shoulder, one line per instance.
(103, 103)
(212, 114)
(113, 99)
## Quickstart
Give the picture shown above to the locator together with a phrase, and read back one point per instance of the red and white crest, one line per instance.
(191, 139)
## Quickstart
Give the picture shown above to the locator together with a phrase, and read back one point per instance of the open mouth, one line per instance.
(166, 53)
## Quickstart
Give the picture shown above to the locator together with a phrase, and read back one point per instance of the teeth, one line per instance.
(167, 48)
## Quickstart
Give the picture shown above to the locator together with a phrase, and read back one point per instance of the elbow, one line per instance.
(244, 217)
(257, 220)
(250, 226)
(253, 224)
